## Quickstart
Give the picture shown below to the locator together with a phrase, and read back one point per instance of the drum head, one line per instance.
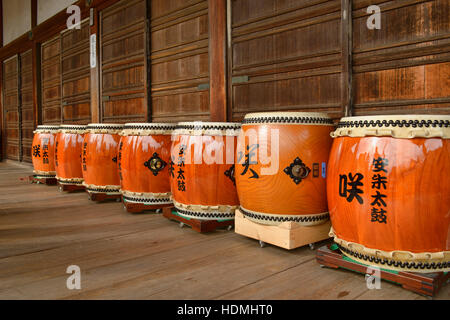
(104, 128)
(47, 129)
(303, 118)
(147, 129)
(396, 126)
(77, 129)
(208, 128)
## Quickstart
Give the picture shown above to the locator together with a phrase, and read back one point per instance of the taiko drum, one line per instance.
(202, 170)
(43, 151)
(100, 158)
(281, 167)
(68, 150)
(144, 159)
(389, 191)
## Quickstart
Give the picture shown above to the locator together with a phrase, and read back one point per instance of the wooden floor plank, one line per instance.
(306, 281)
(145, 256)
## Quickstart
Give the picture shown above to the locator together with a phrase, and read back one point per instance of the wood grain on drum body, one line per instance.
(136, 152)
(101, 159)
(68, 155)
(417, 193)
(278, 193)
(205, 184)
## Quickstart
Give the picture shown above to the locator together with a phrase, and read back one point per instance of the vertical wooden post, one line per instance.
(95, 90)
(34, 7)
(148, 63)
(229, 51)
(19, 104)
(217, 59)
(346, 43)
(2, 134)
(37, 82)
(1, 23)
(36, 67)
(2, 140)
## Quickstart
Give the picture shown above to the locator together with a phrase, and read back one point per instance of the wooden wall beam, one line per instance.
(1, 83)
(37, 100)
(95, 72)
(1, 23)
(148, 62)
(346, 43)
(34, 9)
(218, 59)
(2, 140)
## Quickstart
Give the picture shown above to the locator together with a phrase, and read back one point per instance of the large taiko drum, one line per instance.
(202, 170)
(389, 191)
(43, 151)
(68, 150)
(282, 167)
(144, 162)
(100, 159)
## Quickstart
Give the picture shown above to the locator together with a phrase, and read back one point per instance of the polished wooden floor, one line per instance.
(145, 256)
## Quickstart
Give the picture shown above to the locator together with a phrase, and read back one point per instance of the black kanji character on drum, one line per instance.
(56, 154)
(171, 168)
(378, 215)
(181, 186)
(379, 164)
(45, 154)
(354, 181)
(378, 200)
(182, 150)
(378, 181)
(37, 151)
(181, 174)
(248, 161)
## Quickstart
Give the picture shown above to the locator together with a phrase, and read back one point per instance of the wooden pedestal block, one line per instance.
(427, 284)
(139, 207)
(99, 197)
(70, 187)
(42, 180)
(287, 235)
(201, 226)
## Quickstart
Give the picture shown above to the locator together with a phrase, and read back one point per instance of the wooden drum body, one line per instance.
(43, 151)
(202, 170)
(100, 158)
(68, 150)
(389, 191)
(281, 167)
(144, 162)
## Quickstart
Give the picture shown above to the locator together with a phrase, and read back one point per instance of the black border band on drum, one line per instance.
(66, 182)
(394, 123)
(150, 126)
(149, 201)
(288, 120)
(206, 126)
(44, 176)
(307, 219)
(205, 215)
(99, 190)
(394, 263)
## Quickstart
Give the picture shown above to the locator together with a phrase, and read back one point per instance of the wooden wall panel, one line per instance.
(75, 70)
(405, 66)
(179, 60)
(26, 105)
(51, 81)
(124, 62)
(11, 103)
(285, 56)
